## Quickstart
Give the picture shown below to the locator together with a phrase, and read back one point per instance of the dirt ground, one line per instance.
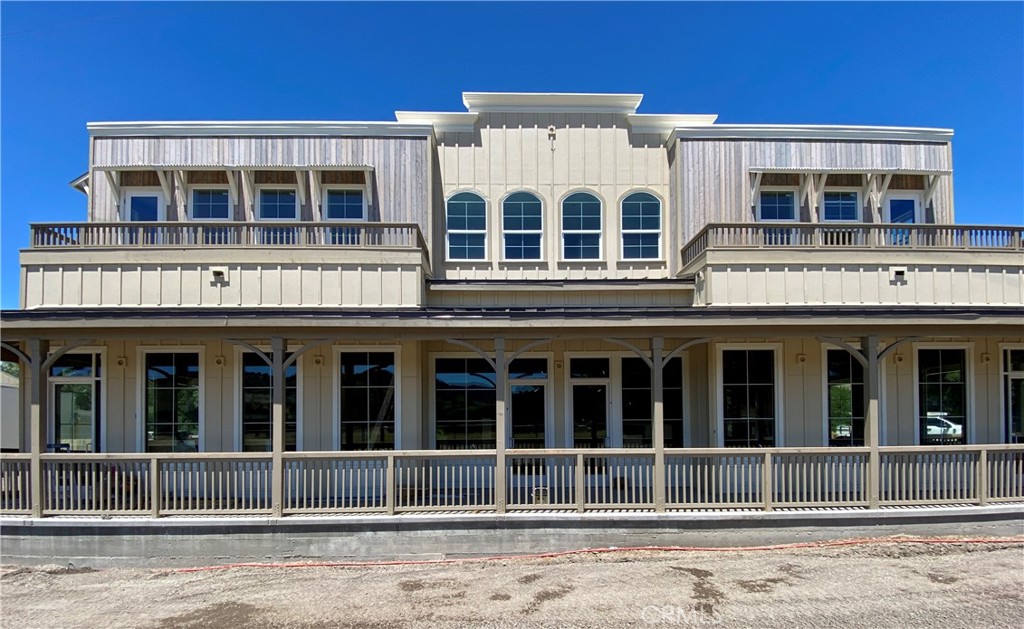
(877, 585)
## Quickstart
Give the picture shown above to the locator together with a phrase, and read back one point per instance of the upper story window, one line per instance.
(641, 227)
(840, 206)
(777, 205)
(581, 227)
(211, 204)
(467, 227)
(344, 204)
(522, 226)
(278, 204)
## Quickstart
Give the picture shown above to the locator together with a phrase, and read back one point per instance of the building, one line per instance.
(548, 301)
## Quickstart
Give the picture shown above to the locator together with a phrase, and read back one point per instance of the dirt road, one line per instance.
(879, 585)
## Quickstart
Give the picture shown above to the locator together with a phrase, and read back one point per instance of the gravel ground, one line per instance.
(877, 585)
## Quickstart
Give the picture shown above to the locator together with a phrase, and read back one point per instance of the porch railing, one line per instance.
(577, 480)
(895, 236)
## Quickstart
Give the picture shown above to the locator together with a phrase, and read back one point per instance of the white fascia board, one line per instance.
(440, 120)
(80, 182)
(849, 171)
(256, 128)
(815, 132)
(667, 123)
(509, 102)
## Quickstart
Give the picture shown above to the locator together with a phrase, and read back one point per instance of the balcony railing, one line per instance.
(833, 236)
(575, 480)
(227, 234)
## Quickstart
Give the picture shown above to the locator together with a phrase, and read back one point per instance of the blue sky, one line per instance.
(933, 65)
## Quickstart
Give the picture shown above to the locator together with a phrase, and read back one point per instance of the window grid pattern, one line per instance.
(344, 205)
(845, 399)
(257, 410)
(522, 226)
(748, 398)
(778, 205)
(464, 403)
(581, 227)
(641, 227)
(1013, 394)
(637, 413)
(942, 396)
(467, 227)
(213, 204)
(367, 394)
(277, 204)
(840, 206)
(172, 402)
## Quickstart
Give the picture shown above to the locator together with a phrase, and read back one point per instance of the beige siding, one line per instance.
(711, 180)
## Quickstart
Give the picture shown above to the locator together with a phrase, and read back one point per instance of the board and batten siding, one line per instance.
(510, 152)
(711, 177)
(400, 167)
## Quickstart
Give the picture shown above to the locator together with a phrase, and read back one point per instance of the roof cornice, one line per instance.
(440, 120)
(257, 128)
(815, 132)
(521, 102)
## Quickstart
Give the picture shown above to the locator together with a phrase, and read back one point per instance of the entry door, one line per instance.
(902, 209)
(74, 416)
(589, 382)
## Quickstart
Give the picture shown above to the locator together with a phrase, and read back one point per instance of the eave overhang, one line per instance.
(291, 128)
(814, 132)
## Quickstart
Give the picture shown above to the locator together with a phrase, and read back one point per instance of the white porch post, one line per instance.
(871, 421)
(658, 406)
(501, 432)
(277, 347)
(37, 353)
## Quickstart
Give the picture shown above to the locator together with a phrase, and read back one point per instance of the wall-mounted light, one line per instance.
(218, 360)
(318, 360)
(986, 357)
(801, 358)
(898, 274)
(120, 361)
(897, 358)
(219, 274)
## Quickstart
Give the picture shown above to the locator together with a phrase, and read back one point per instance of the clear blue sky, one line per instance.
(933, 65)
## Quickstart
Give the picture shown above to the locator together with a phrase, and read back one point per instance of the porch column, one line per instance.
(871, 423)
(501, 438)
(277, 348)
(658, 419)
(38, 349)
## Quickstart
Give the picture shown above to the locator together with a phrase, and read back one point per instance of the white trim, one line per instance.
(190, 205)
(914, 195)
(236, 431)
(614, 370)
(549, 398)
(99, 414)
(660, 231)
(502, 232)
(796, 203)
(562, 232)
(858, 201)
(816, 132)
(258, 210)
(968, 348)
(329, 187)
(552, 102)
(826, 424)
(129, 192)
(335, 366)
(487, 225)
(1004, 373)
(780, 378)
(195, 128)
(140, 389)
(442, 121)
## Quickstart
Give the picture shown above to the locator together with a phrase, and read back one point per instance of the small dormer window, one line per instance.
(211, 204)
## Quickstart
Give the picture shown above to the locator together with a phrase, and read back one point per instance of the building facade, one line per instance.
(546, 301)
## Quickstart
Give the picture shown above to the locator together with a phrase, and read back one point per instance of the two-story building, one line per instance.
(547, 301)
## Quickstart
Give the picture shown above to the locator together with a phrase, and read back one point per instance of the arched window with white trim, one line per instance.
(522, 226)
(641, 227)
(467, 227)
(581, 227)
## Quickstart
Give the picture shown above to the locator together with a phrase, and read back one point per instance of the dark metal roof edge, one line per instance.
(599, 282)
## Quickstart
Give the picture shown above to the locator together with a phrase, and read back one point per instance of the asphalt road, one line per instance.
(878, 585)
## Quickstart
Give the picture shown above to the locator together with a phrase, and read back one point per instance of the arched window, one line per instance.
(581, 227)
(467, 227)
(641, 227)
(522, 226)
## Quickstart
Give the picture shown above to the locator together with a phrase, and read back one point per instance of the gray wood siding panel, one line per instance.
(711, 176)
(401, 166)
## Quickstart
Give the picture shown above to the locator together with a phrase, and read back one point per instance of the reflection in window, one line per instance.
(845, 399)
(467, 227)
(637, 414)
(581, 227)
(1013, 397)
(172, 402)
(942, 396)
(641, 227)
(258, 404)
(464, 403)
(367, 401)
(840, 206)
(522, 226)
(343, 205)
(777, 206)
(76, 389)
(277, 204)
(528, 408)
(748, 397)
(211, 204)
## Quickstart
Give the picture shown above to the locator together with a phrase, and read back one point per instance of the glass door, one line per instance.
(143, 207)
(74, 415)
(902, 209)
(589, 381)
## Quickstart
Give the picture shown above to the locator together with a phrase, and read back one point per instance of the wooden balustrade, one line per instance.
(899, 236)
(536, 479)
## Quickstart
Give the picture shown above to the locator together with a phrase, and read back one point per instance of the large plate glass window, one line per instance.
(171, 404)
(528, 406)
(748, 397)
(367, 399)
(1013, 394)
(942, 396)
(75, 390)
(464, 403)
(845, 399)
(258, 408)
(637, 414)
(641, 227)
(467, 227)
(522, 226)
(581, 227)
